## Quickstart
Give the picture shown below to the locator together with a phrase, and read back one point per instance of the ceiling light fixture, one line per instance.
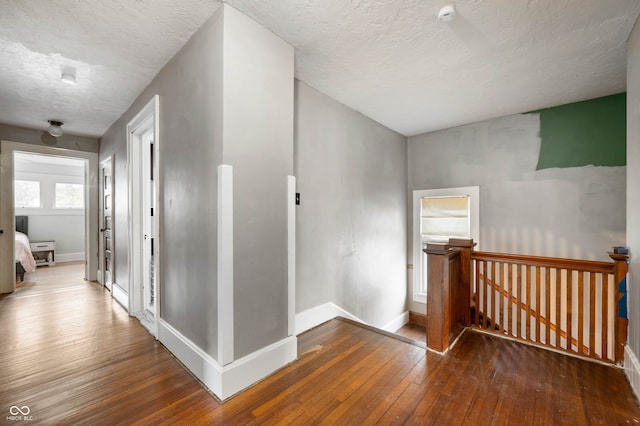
(68, 78)
(55, 128)
(447, 13)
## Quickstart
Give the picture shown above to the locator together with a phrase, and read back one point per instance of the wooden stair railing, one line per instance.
(562, 304)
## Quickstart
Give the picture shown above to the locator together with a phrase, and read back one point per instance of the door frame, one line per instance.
(108, 162)
(7, 211)
(148, 116)
(473, 192)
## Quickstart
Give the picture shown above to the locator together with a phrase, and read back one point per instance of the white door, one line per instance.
(105, 274)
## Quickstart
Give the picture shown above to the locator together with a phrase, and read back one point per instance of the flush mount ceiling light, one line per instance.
(447, 13)
(55, 128)
(68, 75)
(68, 78)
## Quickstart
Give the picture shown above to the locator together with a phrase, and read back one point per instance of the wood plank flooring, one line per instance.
(73, 356)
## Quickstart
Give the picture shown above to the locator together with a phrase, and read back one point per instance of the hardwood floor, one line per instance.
(73, 356)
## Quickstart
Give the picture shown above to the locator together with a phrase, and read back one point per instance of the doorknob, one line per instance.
(101, 229)
(1, 231)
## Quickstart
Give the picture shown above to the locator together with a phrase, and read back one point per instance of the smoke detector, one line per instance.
(447, 13)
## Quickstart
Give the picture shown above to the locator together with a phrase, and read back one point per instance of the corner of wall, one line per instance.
(226, 381)
(632, 369)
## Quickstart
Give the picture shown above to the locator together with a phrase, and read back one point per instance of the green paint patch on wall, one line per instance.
(592, 132)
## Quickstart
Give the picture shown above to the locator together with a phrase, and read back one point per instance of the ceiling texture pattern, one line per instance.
(392, 60)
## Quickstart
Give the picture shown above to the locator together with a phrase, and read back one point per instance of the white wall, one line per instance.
(351, 224)
(47, 223)
(572, 212)
(633, 204)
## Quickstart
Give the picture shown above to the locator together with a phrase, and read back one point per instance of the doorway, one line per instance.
(8, 152)
(142, 141)
(106, 243)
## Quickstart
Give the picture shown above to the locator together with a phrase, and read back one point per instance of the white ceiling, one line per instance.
(389, 59)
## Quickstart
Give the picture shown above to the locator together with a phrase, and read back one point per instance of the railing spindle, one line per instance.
(558, 306)
(547, 305)
(605, 316)
(509, 320)
(501, 296)
(569, 308)
(580, 311)
(518, 331)
(477, 295)
(529, 306)
(485, 294)
(592, 314)
(538, 306)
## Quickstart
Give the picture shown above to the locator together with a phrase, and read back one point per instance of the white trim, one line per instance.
(225, 264)
(120, 296)
(315, 316)
(397, 323)
(7, 212)
(69, 257)
(291, 254)
(147, 118)
(632, 369)
(473, 192)
(226, 381)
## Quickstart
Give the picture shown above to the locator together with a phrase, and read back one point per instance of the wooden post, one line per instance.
(620, 270)
(466, 274)
(438, 296)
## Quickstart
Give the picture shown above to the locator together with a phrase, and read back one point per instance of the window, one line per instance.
(440, 214)
(69, 195)
(26, 193)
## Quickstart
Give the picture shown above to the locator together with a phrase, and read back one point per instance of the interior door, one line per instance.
(106, 224)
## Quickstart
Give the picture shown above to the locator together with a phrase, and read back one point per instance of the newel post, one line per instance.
(466, 273)
(621, 323)
(438, 296)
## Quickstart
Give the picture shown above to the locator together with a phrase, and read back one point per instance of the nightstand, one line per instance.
(44, 252)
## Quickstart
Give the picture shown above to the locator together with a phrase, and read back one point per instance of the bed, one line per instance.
(25, 262)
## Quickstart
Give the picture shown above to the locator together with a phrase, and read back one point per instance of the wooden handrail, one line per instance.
(551, 262)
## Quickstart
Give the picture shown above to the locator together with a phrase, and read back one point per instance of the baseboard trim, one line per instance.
(120, 296)
(417, 319)
(306, 320)
(234, 377)
(632, 369)
(69, 257)
(397, 323)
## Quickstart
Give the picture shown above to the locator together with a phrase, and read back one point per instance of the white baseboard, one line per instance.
(226, 381)
(69, 257)
(313, 317)
(397, 323)
(632, 368)
(120, 295)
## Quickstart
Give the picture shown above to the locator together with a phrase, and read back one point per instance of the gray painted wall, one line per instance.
(225, 98)
(41, 137)
(574, 212)
(351, 224)
(190, 150)
(633, 184)
(258, 143)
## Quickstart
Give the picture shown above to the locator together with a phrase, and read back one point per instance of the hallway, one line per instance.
(73, 356)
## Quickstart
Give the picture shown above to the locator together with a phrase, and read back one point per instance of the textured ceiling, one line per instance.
(389, 59)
